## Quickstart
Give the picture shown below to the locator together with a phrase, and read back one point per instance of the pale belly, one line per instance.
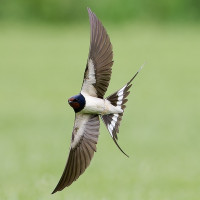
(99, 106)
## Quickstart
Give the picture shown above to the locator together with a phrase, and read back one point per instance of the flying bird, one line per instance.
(90, 104)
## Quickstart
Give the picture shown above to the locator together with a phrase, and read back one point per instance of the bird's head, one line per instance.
(77, 102)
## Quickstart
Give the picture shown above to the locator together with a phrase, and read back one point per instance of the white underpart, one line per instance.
(90, 80)
(96, 105)
(79, 128)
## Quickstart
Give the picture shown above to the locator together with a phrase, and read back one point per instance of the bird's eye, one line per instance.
(75, 100)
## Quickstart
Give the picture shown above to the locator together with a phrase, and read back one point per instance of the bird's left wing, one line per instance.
(83, 145)
(100, 60)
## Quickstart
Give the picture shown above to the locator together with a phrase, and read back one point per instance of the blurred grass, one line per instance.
(115, 11)
(41, 66)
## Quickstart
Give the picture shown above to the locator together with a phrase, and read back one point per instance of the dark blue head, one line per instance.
(77, 102)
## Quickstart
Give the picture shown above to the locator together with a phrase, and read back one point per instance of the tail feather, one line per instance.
(112, 121)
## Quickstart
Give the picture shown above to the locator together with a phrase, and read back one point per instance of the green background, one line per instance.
(43, 52)
(111, 10)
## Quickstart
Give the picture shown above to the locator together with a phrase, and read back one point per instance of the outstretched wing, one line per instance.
(100, 60)
(83, 145)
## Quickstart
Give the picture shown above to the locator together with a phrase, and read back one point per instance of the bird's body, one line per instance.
(90, 103)
(99, 106)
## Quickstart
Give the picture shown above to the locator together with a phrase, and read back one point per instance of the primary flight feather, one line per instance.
(90, 104)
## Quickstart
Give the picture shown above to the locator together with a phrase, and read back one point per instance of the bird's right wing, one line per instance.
(100, 60)
(83, 145)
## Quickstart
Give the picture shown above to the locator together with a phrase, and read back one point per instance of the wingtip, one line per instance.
(54, 191)
(90, 13)
(89, 10)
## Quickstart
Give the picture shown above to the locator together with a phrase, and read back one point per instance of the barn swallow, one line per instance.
(90, 104)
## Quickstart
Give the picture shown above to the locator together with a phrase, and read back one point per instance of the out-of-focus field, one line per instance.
(40, 67)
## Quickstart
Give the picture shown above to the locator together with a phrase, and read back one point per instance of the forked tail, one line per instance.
(112, 121)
